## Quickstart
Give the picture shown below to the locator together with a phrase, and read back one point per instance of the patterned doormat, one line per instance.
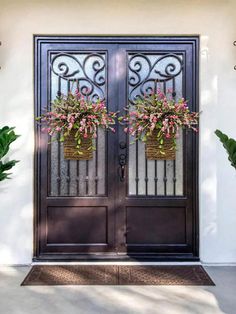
(117, 275)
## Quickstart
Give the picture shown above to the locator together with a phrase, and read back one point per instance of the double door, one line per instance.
(119, 204)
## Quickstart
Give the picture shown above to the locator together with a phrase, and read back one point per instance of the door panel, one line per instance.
(84, 209)
(73, 225)
(155, 221)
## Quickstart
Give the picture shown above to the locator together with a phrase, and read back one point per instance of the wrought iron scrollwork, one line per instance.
(88, 70)
(146, 71)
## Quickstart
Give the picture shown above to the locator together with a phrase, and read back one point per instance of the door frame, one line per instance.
(40, 39)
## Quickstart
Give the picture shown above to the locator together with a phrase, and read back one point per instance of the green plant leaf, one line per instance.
(230, 146)
(7, 136)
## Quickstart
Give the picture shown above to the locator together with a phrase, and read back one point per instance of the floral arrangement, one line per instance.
(77, 115)
(159, 114)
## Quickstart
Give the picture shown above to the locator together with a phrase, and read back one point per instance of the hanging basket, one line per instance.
(153, 150)
(70, 150)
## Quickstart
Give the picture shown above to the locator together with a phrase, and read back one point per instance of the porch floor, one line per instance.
(15, 299)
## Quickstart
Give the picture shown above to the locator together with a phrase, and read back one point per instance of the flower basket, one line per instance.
(156, 120)
(155, 152)
(71, 151)
(76, 119)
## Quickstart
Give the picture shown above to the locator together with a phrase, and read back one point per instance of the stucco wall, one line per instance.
(214, 21)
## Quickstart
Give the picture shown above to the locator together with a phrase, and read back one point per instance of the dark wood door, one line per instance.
(119, 204)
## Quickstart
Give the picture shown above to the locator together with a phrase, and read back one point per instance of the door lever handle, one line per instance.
(122, 173)
(122, 162)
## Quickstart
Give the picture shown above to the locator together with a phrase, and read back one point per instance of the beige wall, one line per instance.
(213, 20)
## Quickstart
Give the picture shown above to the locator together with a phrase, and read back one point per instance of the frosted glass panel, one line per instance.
(71, 177)
(147, 73)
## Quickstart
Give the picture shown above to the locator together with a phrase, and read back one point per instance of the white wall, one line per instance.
(214, 20)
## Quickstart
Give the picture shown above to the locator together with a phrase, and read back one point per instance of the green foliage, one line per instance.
(230, 146)
(7, 136)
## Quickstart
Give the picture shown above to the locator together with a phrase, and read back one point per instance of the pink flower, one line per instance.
(152, 127)
(72, 119)
(85, 135)
(140, 128)
(78, 94)
(58, 129)
(83, 122)
(160, 94)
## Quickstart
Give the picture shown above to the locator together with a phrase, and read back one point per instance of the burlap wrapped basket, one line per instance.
(153, 150)
(70, 150)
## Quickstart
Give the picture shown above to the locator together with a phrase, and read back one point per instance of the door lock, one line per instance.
(122, 145)
(122, 162)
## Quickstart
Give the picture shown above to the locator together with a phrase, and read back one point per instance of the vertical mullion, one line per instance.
(77, 162)
(146, 176)
(68, 161)
(174, 163)
(49, 153)
(96, 166)
(87, 178)
(77, 176)
(165, 178)
(155, 178)
(136, 178)
(87, 169)
(59, 148)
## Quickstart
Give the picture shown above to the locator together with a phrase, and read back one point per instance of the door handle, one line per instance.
(122, 172)
(122, 162)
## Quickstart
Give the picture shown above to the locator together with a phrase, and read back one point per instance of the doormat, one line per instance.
(51, 275)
